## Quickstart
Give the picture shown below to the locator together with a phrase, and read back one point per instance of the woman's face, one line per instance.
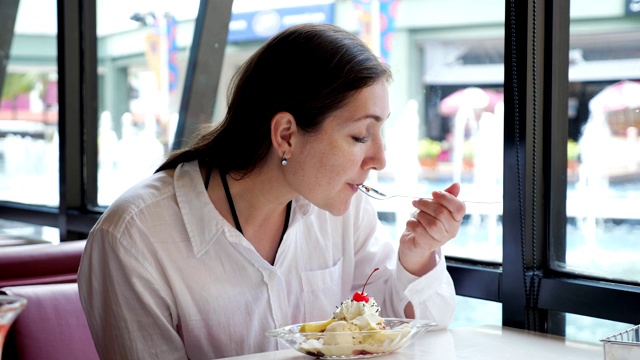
(325, 167)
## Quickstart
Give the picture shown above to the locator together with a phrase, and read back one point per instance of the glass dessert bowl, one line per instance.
(10, 308)
(353, 344)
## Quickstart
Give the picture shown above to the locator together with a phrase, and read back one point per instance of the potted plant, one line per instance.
(428, 151)
(18, 84)
(468, 155)
(573, 153)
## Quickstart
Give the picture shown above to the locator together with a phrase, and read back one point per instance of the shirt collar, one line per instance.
(198, 213)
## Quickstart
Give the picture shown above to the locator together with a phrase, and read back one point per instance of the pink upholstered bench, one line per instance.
(40, 264)
(52, 326)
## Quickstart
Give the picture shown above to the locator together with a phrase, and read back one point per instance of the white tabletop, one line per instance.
(477, 343)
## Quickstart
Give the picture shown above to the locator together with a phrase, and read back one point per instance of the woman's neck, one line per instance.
(260, 206)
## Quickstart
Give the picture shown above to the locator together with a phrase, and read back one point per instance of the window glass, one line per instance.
(603, 175)
(476, 312)
(20, 233)
(590, 329)
(29, 105)
(143, 50)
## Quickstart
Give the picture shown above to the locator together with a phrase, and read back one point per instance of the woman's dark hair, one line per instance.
(308, 70)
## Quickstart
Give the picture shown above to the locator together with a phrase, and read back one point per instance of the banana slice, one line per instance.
(318, 326)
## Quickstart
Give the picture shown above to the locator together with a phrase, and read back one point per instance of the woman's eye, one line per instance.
(361, 139)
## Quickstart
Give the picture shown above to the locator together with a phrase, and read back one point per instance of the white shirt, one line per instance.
(164, 276)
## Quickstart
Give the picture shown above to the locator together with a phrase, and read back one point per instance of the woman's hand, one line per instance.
(434, 223)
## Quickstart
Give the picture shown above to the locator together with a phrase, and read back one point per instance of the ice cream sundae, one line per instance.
(355, 328)
(361, 313)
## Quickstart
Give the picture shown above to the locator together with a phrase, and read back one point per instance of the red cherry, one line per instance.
(362, 296)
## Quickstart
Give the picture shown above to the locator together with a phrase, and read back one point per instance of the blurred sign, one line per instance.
(172, 25)
(260, 25)
(377, 24)
(153, 46)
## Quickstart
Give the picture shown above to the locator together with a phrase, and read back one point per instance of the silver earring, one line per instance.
(284, 160)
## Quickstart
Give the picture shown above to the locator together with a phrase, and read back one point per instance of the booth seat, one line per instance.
(52, 326)
(41, 263)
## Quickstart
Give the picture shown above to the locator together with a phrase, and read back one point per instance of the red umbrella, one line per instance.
(619, 104)
(473, 97)
(622, 95)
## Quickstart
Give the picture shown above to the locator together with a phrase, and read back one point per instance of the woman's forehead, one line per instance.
(369, 103)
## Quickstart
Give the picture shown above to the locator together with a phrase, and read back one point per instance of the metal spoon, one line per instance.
(379, 195)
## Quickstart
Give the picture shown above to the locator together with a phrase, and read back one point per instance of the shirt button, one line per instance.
(272, 276)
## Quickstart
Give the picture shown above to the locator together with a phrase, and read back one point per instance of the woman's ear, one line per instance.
(283, 129)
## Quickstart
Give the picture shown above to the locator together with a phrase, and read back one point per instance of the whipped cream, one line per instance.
(359, 316)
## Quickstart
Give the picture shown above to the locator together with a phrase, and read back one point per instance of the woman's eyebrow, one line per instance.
(374, 117)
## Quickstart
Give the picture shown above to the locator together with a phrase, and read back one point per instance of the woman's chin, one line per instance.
(333, 207)
(338, 209)
(338, 213)
(336, 205)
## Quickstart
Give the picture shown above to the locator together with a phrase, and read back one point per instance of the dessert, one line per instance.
(358, 314)
(355, 328)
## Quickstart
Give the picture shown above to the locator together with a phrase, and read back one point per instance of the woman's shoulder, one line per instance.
(154, 187)
(154, 191)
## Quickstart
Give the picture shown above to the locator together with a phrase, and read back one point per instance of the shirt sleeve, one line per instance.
(127, 309)
(432, 295)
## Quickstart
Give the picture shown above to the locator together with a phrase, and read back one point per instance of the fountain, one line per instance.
(402, 162)
(478, 121)
(487, 171)
(593, 181)
(465, 104)
(107, 143)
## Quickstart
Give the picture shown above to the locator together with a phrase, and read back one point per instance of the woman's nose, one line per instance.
(377, 160)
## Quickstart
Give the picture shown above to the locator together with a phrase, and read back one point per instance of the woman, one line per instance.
(259, 224)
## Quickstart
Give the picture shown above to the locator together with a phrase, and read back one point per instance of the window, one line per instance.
(143, 51)
(603, 182)
(29, 106)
